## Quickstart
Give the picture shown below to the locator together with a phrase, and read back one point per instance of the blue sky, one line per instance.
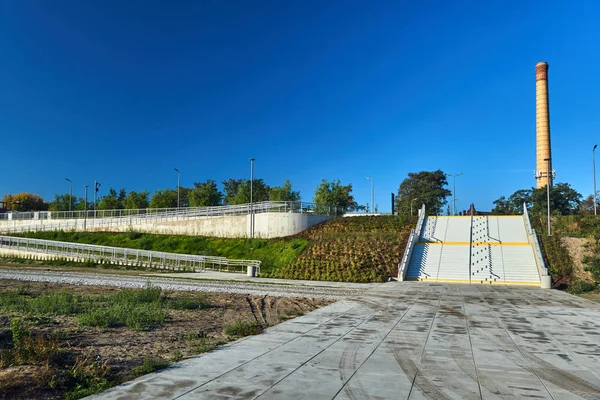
(123, 91)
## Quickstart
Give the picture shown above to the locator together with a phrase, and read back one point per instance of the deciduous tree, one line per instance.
(284, 193)
(427, 187)
(205, 194)
(24, 202)
(334, 194)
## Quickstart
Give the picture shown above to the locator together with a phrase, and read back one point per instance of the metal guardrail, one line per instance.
(44, 221)
(412, 240)
(535, 244)
(182, 212)
(127, 256)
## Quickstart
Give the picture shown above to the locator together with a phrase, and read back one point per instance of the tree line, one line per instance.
(202, 194)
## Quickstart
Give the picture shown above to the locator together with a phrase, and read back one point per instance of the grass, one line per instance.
(137, 309)
(274, 253)
(242, 328)
(149, 365)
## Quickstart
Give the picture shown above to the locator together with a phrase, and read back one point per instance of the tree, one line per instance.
(284, 193)
(334, 194)
(61, 202)
(164, 199)
(564, 200)
(427, 187)
(260, 192)
(205, 194)
(136, 200)
(587, 205)
(514, 204)
(231, 188)
(24, 202)
(112, 201)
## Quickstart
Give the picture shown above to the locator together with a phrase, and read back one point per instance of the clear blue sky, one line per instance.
(123, 91)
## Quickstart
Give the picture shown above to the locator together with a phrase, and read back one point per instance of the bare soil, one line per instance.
(578, 248)
(185, 334)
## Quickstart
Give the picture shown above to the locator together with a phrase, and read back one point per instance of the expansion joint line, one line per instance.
(267, 352)
(426, 340)
(518, 348)
(379, 344)
(470, 342)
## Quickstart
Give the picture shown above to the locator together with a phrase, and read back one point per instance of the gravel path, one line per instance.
(91, 279)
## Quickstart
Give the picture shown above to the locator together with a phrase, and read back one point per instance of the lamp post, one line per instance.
(411, 205)
(548, 172)
(372, 194)
(454, 189)
(178, 180)
(70, 195)
(96, 186)
(251, 197)
(85, 209)
(594, 166)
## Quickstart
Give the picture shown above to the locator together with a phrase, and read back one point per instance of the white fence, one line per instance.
(179, 213)
(125, 256)
(84, 220)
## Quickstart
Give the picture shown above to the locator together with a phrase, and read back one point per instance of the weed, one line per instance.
(177, 356)
(581, 286)
(204, 346)
(150, 365)
(187, 303)
(242, 328)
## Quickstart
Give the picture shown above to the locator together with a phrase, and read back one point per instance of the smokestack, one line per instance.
(543, 152)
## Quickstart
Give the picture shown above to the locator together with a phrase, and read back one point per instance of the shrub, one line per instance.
(581, 286)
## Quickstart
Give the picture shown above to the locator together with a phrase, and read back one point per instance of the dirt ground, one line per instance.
(577, 249)
(185, 334)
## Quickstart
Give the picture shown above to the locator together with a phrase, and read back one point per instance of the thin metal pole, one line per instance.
(548, 194)
(70, 195)
(95, 191)
(372, 194)
(251, 197)
(594, 165)
(178, 185)
(85, 210)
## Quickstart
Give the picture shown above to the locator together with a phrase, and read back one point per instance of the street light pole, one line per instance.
(548, 172)
(178, 186)
(594, 165)
(70, 195)
(372, 194)
(85, 209)
(411, 205)
(96, 186)
(251, 197)
(454, 189)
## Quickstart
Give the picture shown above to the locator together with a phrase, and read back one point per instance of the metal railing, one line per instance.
(410, 245)
(535, 244)
(126, 256)
(181, 212)
(45, 221)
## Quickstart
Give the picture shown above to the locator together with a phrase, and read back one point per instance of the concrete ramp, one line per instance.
(478, 249)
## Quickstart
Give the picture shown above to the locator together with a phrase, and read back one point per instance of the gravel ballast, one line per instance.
(188, 285)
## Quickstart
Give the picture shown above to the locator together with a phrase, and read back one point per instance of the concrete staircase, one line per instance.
(481, 249)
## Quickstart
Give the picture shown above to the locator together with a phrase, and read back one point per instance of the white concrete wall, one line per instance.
(267, 225)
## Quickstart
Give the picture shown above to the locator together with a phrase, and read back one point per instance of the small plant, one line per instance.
(150, 365)
(177, 356)
(581, 286)
(242, 328)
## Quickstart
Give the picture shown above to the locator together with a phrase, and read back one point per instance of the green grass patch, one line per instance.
(242, 328)
(137, 309)
(149, 365)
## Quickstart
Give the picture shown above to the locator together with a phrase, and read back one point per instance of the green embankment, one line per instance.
(557, 257)
(354, 249)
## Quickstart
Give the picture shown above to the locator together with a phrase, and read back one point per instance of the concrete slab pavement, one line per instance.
(404, 340)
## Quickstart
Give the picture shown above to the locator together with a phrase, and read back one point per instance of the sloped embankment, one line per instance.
(352, 249)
